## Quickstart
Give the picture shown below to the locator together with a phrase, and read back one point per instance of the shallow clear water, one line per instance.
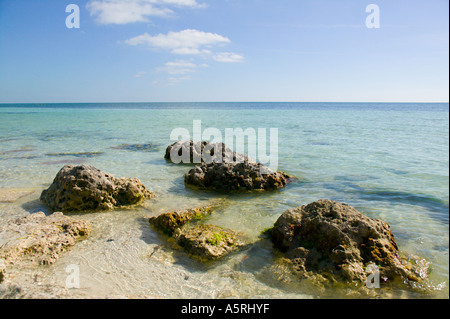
(390, 161)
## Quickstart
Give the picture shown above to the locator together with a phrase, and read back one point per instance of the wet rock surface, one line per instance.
(39, 239)
(201, 241)
(335, 241)
(208, 242)
(171, 222)
(229, 177)
(86, 188)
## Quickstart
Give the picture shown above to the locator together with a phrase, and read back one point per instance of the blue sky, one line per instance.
(224, 50)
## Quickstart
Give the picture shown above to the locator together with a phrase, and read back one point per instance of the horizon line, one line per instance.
(142, 102)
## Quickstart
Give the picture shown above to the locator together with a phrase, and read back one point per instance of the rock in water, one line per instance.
(203, 242)
(208, 242)
(235, 177)
(40, 239)
(190, 152)
(170, 222)
(85, 188)
(337, 241)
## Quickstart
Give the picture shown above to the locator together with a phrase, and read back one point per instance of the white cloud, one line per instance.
(175, 80)
(140, 74)
(132, 11)
(177, 71)
(229, 57)
(188, 41)
(180, 67)
(185, 3)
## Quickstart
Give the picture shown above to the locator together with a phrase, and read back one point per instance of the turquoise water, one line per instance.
(390, 161)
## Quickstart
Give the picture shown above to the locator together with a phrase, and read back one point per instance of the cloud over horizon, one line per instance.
(228, 57)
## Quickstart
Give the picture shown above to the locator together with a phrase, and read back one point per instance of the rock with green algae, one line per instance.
(171, 222)
(86, 188)
(208, 242)
(203, 242)
(333, 240)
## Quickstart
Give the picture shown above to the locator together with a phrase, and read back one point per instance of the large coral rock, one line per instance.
(208, 242)
(337, 241)
(235, 177)
(85, 188)
(190, 152)
(40, 239)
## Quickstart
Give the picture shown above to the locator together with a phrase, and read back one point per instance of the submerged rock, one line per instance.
(83, 188)
(170, 222)
(147, 147)
(40, 239)
(334, 240)
(10, 195)
(235, 177)
(189, 152)
(208, 242)
(78, 154)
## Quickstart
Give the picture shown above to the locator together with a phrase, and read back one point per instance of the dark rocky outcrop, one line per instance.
(190, 152)
(228, 177)
(334, 240)
(86, 188)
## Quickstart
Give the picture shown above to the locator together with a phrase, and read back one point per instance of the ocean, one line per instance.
(388, 160)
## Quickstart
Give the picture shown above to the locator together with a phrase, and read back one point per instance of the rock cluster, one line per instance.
(203, 242)
(221, 169)
(335, 240)
(324, 239)
(86, 188)
(235, 177)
